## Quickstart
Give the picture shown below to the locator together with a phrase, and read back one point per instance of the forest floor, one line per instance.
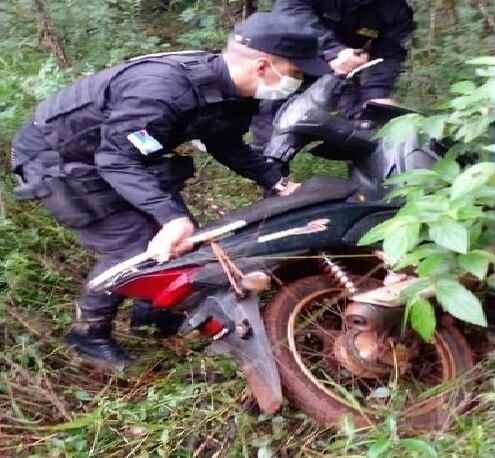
(175, 401)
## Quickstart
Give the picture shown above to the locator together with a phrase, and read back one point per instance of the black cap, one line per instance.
(282, 36)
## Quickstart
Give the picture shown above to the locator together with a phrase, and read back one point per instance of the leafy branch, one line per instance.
(445, 228)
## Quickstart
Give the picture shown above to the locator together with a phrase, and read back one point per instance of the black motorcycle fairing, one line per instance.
(370, 172)
(306, 108)
(381, 114)
(354, 234)
(316, 190)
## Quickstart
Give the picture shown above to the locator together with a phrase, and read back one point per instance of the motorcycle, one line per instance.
(331, 333)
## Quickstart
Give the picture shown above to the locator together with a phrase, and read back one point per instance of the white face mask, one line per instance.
(283, 89)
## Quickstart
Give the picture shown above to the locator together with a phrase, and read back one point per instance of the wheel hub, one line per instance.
(359, 353)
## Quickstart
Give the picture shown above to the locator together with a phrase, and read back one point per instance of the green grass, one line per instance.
(175, 401)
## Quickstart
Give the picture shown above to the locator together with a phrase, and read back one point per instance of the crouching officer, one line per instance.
(97, 154)
(351, 33)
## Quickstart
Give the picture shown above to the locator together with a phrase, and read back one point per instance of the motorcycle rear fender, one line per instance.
(244, 336)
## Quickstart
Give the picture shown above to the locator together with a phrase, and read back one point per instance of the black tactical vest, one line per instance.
(71, 119)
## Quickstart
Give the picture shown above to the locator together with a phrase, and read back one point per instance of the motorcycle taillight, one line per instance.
(164, 289)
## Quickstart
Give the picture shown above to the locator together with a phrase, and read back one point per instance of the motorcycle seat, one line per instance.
(316, 190)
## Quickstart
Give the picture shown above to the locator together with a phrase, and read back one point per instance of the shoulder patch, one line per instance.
(144, 142)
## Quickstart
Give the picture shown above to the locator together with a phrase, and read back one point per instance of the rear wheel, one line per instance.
(320, 376)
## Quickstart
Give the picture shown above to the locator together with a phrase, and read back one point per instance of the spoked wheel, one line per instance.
(331, 372)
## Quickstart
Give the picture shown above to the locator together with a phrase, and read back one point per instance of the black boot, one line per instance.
(90, 336)
(166, 323)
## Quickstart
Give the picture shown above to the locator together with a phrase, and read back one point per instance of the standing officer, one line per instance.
(98, 153)
(351, 32)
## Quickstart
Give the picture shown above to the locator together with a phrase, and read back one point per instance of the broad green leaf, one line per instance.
(475, 262)
(430, 265)
(380, 231)
(474, 232)
(484, 60)
(450, 234)
(472, 128)
(399, 242)
(403, 191)
(400, 129)
(82, 395)
(469, 212)
(434, 126)
(448, 169)
(414, 177)
(463, 87)
(419, 287)
(378, 448)
(422, 448)
(412, 259)
(460, 302)
(422, 316)
(472, 178)
(78, 422)
(426, 208)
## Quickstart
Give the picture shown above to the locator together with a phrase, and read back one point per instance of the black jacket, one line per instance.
(385, 26)
(92, 121)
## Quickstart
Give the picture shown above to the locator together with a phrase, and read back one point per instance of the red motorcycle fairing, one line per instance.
(164, 288)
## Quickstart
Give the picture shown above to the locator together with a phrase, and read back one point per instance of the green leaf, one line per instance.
(434, 126)
(426, 208)
(399, 242)
(82, 395)
(400, 129)
(463, 87)
(449, 234)
(472, 178)
(448, 169)
(378, 448)
(491, 281)
(460, 302)
(422, 316)
(412, 259)
(485, 60)
(430, 265)
(422, 448)
(416, 288)
(414, 177)
(77, 423)
(475, 262)
(380, 231)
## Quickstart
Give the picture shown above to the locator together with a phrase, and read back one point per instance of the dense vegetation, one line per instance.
(178, 402)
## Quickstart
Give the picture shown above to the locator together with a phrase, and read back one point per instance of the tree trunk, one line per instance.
(248, 8)
(47, 35)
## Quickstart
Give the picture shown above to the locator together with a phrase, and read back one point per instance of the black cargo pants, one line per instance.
(114, 238)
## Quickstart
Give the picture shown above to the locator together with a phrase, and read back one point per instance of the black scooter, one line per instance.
(331, 333)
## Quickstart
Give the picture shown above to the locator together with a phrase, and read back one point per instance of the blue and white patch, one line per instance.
(144, 142)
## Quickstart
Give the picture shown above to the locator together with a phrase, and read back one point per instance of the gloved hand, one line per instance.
(283, 188)
(347, 60)
(289, 188)
(171, 240)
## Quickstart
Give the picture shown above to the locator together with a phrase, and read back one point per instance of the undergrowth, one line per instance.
(176, 401)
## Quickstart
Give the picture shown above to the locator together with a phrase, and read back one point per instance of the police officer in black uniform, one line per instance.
(98, 154)
(351, 32)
